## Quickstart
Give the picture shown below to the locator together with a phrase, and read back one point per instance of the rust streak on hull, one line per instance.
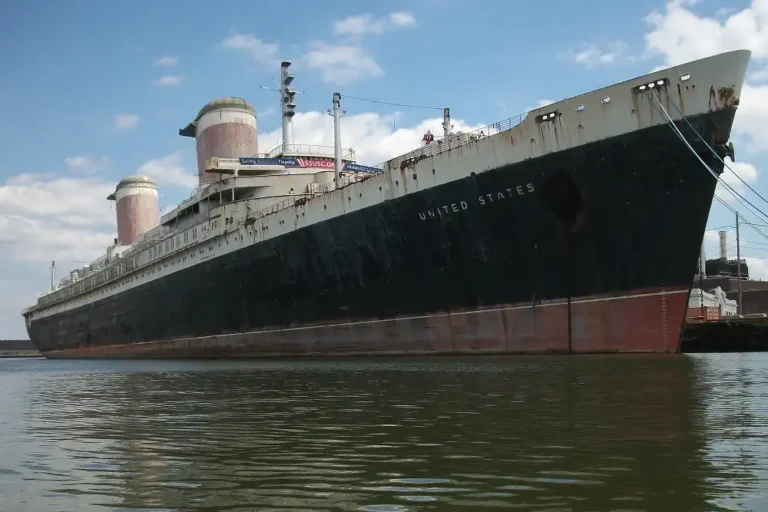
(599, 326)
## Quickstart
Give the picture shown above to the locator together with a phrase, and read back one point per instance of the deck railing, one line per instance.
(308, 149)
(442, 144)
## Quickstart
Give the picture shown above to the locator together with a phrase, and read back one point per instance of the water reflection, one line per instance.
(580, 433)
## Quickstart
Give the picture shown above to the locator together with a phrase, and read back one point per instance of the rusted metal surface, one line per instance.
(224, 140)
(136, 214)
(600, 327)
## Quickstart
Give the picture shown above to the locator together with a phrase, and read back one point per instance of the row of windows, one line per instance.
(146, 273)
(146, 257)
(114, 272)
(176, 242)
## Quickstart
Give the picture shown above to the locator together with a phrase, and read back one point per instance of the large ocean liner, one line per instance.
(575, 228)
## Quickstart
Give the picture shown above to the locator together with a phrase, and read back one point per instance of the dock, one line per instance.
(18, 348)
(746, 333)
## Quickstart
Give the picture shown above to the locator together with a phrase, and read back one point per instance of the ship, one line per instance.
(573, 228)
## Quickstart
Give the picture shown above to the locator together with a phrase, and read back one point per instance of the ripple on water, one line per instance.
(524, 433)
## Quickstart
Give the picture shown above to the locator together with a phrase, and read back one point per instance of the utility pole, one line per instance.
(53, 275)
(702, 267)
(738, 263)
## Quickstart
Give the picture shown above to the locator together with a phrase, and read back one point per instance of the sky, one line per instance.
(92, 91)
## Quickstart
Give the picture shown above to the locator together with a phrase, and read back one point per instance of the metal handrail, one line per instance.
(309, 149)
(442, 144)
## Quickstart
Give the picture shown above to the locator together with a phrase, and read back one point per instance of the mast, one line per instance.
(446, 122)
(288, 104)
(337, 136)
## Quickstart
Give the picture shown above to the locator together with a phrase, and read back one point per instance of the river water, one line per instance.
(610, 433)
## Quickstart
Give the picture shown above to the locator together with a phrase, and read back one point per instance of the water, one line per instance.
(557, 434)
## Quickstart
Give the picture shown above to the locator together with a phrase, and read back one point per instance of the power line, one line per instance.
(721, 227)
(347, 96)
(721, 201)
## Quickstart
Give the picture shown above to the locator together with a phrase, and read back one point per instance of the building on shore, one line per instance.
(710, 305)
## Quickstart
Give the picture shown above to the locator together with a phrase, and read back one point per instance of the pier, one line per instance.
(18, 348)
(747, 333)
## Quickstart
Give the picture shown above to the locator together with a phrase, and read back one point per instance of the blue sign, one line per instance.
(323, 163)
(287, 162)
(361, 168)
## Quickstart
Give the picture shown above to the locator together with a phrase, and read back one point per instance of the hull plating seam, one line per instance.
(598, 329)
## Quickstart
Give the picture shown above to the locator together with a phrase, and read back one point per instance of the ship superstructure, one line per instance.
(251, 187)
(573, 228)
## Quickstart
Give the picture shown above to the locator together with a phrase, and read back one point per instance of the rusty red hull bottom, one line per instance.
(637, 321)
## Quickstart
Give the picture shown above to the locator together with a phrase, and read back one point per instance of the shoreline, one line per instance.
(20, 353)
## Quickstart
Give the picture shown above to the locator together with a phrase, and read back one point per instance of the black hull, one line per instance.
(604, 219)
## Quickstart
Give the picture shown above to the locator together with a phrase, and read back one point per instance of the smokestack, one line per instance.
(723, 245)
(137, 207)
(224, 128)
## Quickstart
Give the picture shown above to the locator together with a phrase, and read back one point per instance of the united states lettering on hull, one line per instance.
(579, 234)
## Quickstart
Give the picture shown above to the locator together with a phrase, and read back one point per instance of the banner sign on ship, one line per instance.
(307, 162)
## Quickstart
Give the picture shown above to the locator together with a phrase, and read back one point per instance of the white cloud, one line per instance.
(746, 172)
(342, 64)
(126, 121)
(752, 118)
(758, 268)
(169, 80)
(679, 35)
(169, 170)
(761, 75)
(367, 23)
(166, 61)
(43, 218)
(402, 19)
(592, 56)
(360, 24)
(86, 163)
(261, 51)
